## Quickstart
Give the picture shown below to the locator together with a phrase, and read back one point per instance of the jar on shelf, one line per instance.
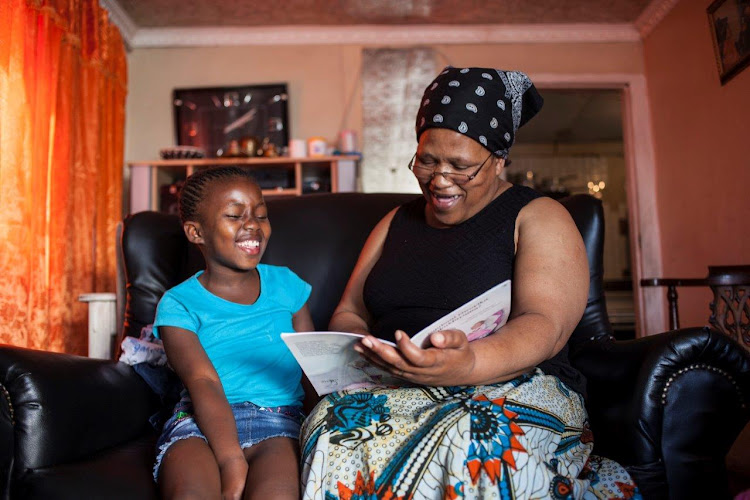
(250, 146)
(316, 146)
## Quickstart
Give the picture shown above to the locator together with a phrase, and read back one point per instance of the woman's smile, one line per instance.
(443, 201)
(463, 178)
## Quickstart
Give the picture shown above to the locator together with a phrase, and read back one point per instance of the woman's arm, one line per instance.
(550, 289)
(351, 314)
(212, 411)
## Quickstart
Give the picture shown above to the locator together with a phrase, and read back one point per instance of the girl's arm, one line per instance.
(302, 322)
(212, 411)
(351, 314)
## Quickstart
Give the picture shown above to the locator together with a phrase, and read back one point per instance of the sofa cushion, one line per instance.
(120, 473)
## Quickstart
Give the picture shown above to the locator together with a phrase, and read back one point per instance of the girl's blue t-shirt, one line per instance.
(244, 341)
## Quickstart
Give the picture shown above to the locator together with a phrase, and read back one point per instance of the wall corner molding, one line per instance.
(122, 20)
(652, 15)
(378, 35)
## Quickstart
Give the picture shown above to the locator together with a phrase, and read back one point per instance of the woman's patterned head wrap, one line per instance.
(488, 105)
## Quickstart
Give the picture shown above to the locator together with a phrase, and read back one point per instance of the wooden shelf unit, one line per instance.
(148, 177)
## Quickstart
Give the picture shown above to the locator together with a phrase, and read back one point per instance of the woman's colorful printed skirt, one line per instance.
(527, 438)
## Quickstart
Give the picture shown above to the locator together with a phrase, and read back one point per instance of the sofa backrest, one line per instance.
(317, 236)
(588, 215)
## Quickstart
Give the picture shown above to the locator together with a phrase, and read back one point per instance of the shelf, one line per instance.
(154, 183)
(210, 162)
(281, 192)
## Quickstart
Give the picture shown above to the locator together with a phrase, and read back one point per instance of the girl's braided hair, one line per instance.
(194, 189)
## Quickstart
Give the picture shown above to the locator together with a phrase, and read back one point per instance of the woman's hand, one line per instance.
(233, 473)
(449, 361)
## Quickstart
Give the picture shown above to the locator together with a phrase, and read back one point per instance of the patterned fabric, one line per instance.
(486, 104)
(527, 438)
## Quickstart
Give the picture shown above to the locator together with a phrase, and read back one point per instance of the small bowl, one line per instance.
(181, 153)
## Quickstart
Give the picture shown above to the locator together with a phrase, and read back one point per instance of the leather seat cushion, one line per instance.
(120, 473)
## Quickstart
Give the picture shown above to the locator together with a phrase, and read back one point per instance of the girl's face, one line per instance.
(448, 203)
(233, 229)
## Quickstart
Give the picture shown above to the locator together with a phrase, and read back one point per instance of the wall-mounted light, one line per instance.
(596, 188)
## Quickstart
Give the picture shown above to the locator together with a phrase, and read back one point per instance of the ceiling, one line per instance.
(568, 116)
(204, 13)
(576, 116)
(175, 23)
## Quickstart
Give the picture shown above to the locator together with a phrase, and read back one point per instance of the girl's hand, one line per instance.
(449, 361)
(233, 477)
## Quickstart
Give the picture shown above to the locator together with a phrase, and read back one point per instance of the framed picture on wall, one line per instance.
(730, 29)
(232, 121)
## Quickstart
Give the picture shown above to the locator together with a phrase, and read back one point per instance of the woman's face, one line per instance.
(449, 203)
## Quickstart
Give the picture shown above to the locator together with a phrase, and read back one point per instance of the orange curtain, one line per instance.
(63, 82)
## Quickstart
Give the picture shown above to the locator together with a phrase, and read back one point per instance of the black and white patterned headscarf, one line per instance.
(488, 105)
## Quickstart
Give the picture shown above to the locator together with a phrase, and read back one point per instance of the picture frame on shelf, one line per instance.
(236, 121)
(729, 22)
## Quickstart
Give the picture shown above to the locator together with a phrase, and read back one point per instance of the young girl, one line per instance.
(237, 425)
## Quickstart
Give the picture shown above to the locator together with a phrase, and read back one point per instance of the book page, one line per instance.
(481, 316)
(331, 363)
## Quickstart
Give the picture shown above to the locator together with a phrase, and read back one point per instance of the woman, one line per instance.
(500, 417)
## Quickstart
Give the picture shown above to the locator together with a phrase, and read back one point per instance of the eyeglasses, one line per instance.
(425, 173)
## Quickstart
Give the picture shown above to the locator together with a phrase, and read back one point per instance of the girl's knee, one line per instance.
(277, 490)
(188, 470)
(189, 494)
(273, 469)
(274, 449)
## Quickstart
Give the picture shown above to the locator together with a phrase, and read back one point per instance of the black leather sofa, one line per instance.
(667, 407)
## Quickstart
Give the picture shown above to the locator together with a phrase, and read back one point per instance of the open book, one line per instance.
(331, 363)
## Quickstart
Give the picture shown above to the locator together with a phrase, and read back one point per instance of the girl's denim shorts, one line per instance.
(254, 424)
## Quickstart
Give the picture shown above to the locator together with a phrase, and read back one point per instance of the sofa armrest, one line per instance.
(62, 408)
(667, 406)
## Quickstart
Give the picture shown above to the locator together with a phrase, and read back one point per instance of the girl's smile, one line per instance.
(251, 243)
(251, 246)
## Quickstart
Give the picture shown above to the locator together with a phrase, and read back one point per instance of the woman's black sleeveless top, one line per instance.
(424, 273)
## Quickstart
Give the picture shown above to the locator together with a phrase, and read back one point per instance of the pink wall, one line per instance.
(323, 79)
(701, 133)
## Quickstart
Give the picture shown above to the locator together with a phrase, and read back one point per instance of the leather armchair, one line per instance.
(667, 407)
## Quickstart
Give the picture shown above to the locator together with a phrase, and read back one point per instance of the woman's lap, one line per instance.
(528, 436)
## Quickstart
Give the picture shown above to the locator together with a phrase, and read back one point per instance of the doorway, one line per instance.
(576, 145)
